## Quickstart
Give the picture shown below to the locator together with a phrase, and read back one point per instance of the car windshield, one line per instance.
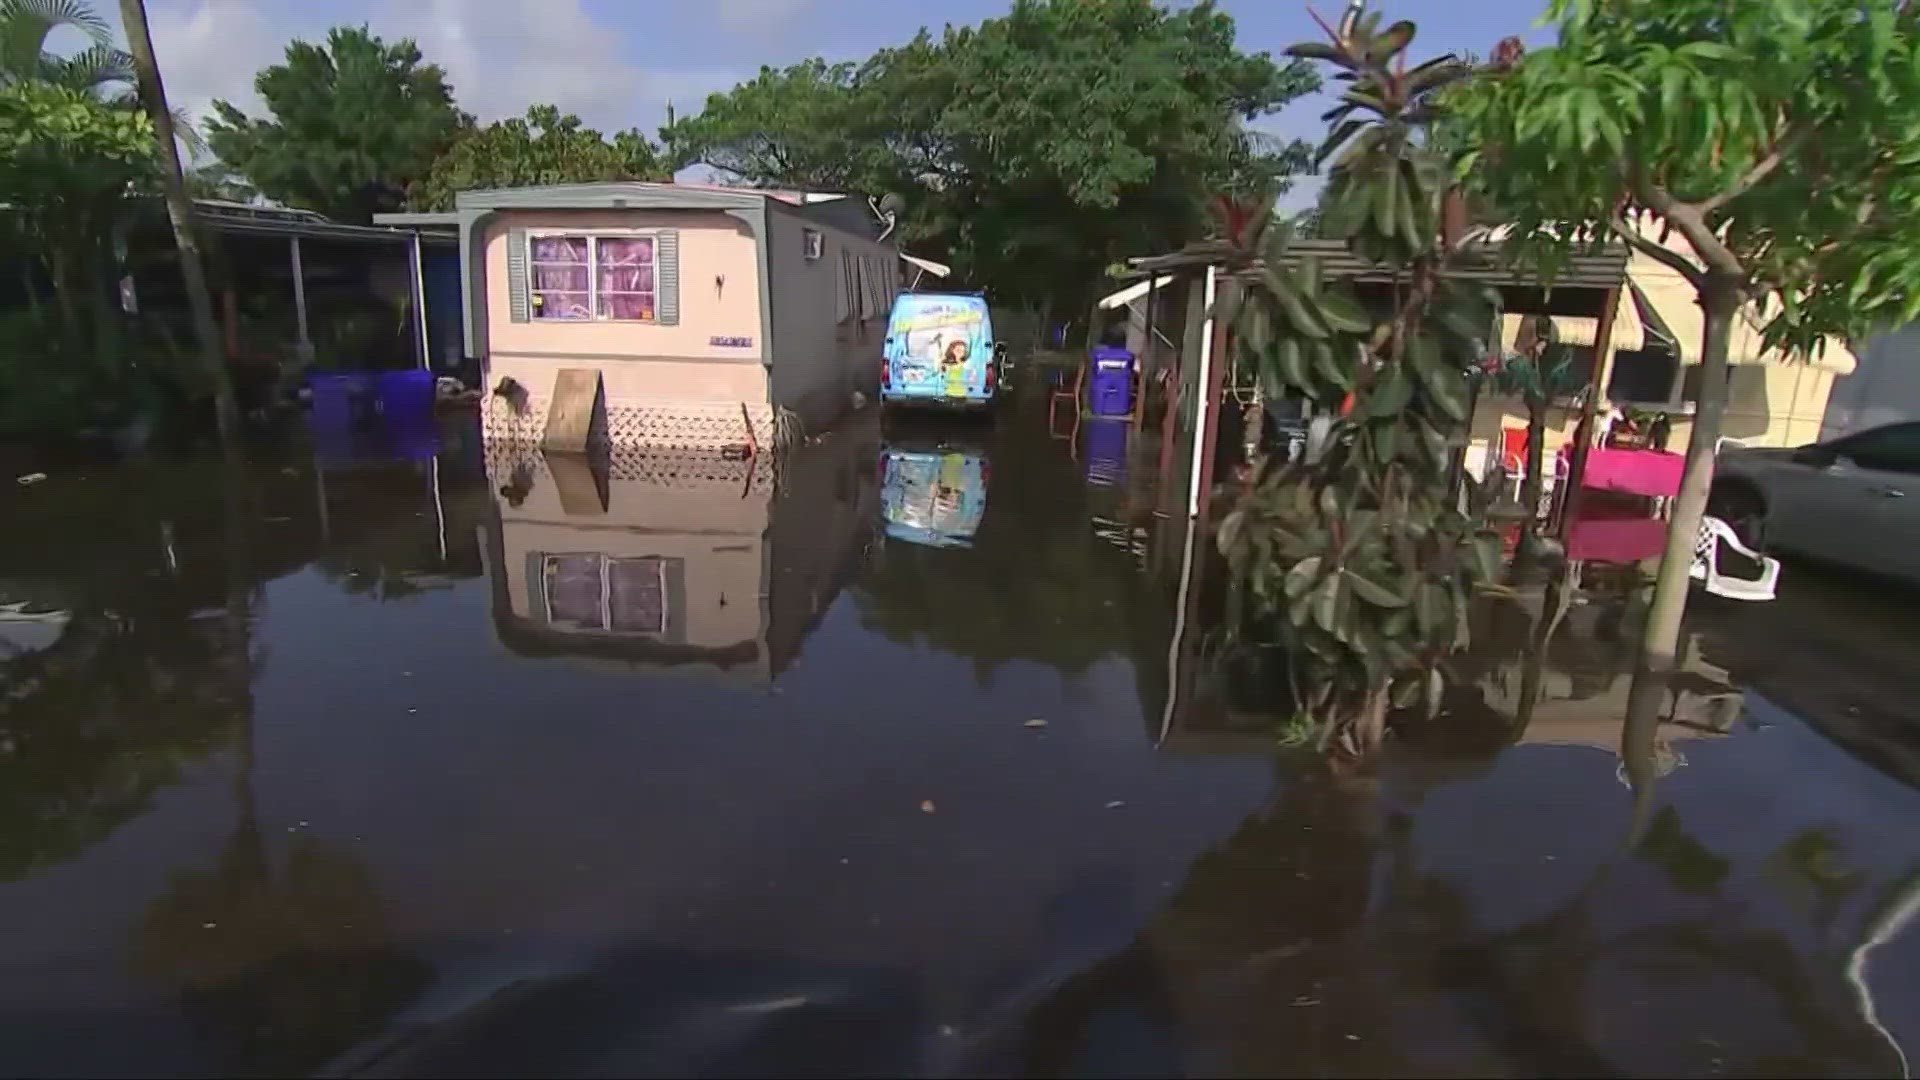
(1895, 448)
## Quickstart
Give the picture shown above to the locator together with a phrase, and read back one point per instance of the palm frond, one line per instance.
(26, 24)
(78, 14)
(188, 134)
(90, 68)
(185, 131)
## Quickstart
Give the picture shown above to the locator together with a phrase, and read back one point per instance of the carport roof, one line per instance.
(1605, 269)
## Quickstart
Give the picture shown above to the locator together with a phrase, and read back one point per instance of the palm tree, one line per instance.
(179, 212)
(100, 68)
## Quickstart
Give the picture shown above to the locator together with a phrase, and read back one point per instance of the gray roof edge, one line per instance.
(608, 196)
(447, 219)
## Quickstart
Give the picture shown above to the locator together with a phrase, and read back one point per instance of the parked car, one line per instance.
(1853, 501)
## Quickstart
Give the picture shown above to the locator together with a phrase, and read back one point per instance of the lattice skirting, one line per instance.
(665, 468)
(685, 425)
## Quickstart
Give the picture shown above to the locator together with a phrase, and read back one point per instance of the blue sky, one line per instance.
(618, 62)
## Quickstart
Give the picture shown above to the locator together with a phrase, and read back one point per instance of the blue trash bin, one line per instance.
(336, 401)
(1111, 391)
(404, 396)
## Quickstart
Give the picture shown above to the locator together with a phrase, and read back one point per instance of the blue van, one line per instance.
(940, 352)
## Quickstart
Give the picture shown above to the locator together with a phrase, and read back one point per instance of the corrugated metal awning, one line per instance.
(1629, 333)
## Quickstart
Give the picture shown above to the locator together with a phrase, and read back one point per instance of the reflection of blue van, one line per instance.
(933, 497)
(940, 351)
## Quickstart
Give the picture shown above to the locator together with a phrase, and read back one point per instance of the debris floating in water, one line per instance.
(926, 806)
(30, 478)
(1036, 722)
(1116, 804)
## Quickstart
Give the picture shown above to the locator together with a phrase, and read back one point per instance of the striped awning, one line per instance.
(1671, 306)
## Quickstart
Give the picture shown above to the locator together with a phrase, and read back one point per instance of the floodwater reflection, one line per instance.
(394, 767)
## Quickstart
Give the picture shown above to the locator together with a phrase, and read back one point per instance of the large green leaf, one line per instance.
(1374, 592)
(1448, 389)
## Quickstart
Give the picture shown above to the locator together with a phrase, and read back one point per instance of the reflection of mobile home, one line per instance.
(675, 562)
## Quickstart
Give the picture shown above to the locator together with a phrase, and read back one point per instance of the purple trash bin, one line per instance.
(336, 401)
(404, 396)
(1111, 388)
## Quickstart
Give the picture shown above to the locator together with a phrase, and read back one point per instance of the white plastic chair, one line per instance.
(1706, 564)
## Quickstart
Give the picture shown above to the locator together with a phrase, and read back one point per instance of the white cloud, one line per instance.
(758, 15)
(211, 49)
(503, 55)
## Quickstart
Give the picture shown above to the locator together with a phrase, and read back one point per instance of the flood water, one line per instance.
(901, 756)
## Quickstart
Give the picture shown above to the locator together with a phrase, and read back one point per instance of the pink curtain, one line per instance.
(626, 287)
(560, 289)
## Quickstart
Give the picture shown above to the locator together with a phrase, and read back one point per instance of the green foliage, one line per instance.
(1030, 150)
(544, 147)
(1361, 559)
(810, 126)
(1781, 140)
(354, 123)
(1779, 143)
(62, 144)
(25, 26)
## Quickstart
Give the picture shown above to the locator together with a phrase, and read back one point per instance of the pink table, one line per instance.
(1616, 539)
(1654, 473)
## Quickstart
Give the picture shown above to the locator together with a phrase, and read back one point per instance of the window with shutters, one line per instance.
(575, 277)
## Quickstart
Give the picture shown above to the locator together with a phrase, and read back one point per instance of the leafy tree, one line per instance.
(67, 162)
(99, 69)
(25, 26)
(807, 126)
(1780, 143)
(354, 123)
(1033, 149)
(544, 147)
(1360, 560)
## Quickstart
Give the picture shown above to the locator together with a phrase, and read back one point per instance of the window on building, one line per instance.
(1579, 375)
(1643, 377)
(595, 592)
(583, 278)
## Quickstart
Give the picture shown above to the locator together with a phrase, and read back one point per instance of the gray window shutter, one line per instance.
(517, 275)
(666, 277)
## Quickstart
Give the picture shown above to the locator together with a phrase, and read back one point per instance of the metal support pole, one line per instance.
(1146, 351)
(419, 299)
(302, 343)
(1583, 432)
(1212, 369)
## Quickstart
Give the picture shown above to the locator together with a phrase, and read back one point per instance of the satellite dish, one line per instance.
(887, 209)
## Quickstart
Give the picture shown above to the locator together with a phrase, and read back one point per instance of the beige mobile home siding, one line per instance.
(664, 385)
(825, 345)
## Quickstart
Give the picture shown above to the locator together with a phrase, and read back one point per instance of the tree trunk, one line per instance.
(153, 93)
(61, 270)
(1536, 458)
(1661, 643)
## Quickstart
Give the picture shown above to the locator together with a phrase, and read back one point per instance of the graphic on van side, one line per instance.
(940, 345)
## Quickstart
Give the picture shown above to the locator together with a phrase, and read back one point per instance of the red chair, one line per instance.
(1068, 390)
